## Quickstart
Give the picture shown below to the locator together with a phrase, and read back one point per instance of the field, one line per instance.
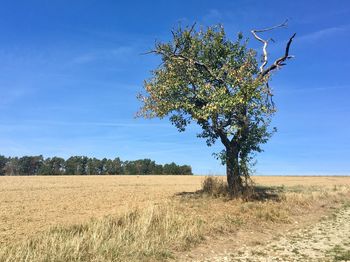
(34, 209)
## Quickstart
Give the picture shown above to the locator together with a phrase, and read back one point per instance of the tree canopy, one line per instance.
(215, 82)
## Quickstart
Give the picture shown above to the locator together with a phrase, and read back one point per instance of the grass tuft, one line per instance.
(215, 187)
(339, 253)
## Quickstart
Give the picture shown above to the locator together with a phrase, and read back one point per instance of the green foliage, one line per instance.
(173, 169)
(29, 165)
(11, 167)
(208, 79)
(3, 161)
(56, 165)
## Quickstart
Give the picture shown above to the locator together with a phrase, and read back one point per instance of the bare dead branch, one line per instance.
(266, 42)
(280, 61)
(148, 52)
(284, 24)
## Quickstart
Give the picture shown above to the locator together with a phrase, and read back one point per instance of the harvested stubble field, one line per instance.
(133, 218)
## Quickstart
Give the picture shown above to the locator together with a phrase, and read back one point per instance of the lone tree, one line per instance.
(206, 78)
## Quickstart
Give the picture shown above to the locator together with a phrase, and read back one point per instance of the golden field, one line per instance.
(31, 206)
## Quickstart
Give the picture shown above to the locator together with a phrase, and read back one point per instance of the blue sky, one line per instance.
(70, 72)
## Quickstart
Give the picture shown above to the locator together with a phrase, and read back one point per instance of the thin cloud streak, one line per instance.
(108, 54)
(326, 32)
(312, 89)
(213, 15)
(91, 124)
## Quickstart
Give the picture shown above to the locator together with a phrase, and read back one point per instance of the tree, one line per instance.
(45, 168)
(57, 166)
(83, 161)
(145, 166)
(185, 170)
(72, 165)
(110, 169)
(29, 165)
(82, 165)
(208, 79)
(102, 167)
(130, 168)
(3, 161)
(158, 169)
(171, 169)
(12, 166)
(92, 166)
(54, 166)
(118, 166)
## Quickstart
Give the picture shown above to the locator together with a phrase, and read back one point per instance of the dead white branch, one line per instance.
(280, 61)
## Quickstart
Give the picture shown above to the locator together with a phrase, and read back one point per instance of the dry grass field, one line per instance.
(32, 204)
(113, 218)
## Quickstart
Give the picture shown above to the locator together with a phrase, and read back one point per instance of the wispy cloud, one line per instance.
(317, 17)
(323, 33)
(293, 90)
(213, 15)
(13, 148)
(10, 96)
(92, 56)
(38, 124)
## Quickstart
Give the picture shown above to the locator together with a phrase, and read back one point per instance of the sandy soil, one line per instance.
(318, 242)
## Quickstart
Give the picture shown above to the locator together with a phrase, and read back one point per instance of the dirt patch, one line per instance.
(325, 240)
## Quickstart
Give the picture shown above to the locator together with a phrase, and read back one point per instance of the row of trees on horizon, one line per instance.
(82, 165)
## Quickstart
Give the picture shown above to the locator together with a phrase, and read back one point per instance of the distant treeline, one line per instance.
(82, 165)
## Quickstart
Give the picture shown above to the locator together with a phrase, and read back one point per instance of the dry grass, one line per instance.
(29, 205)
(339, 253)
(214, 186)
(141, 234)
(139, 218)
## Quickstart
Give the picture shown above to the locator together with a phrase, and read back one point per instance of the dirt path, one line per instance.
(319, 242)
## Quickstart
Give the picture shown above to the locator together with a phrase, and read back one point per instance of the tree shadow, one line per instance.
(265, 193)
(193, 195)
(255, 193)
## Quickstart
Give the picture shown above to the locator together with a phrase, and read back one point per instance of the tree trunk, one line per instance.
(234, 179)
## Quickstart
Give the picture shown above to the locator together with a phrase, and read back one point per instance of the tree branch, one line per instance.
(199, 65)
(279, 62)
(192, 28)
(223, 137)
